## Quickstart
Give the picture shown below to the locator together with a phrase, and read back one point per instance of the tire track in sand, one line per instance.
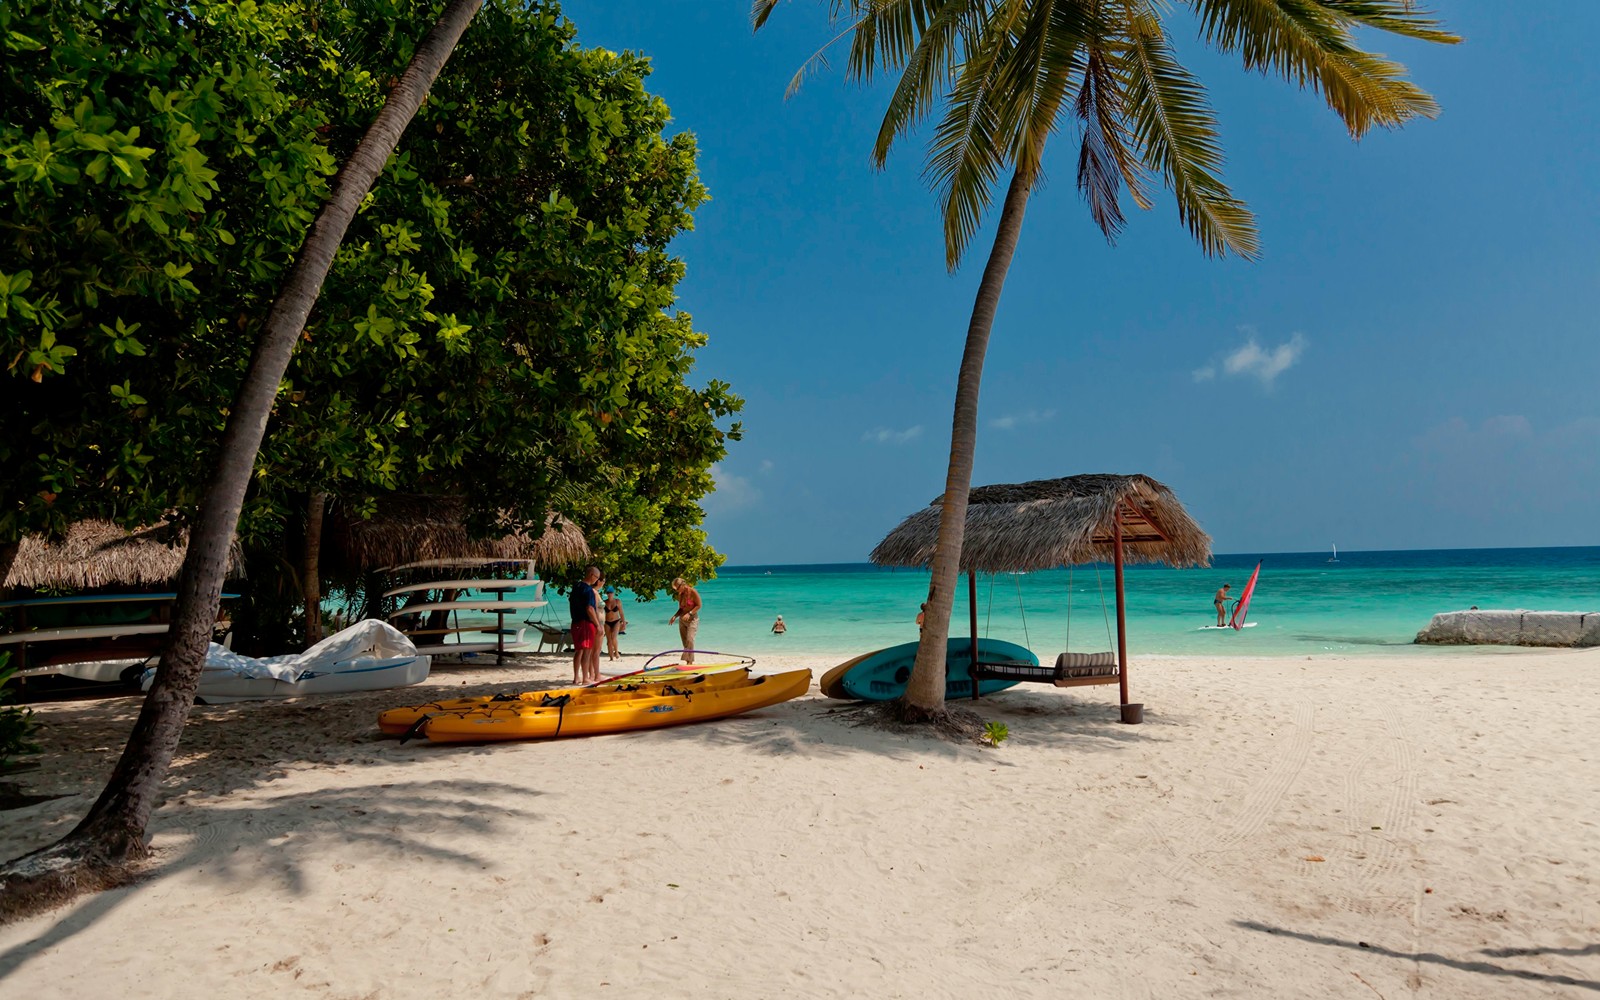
(1220, 833)
(1377, 885)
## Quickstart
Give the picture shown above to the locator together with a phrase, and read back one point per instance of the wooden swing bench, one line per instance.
(1070, 670)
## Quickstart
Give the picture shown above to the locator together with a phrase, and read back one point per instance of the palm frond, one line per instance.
(1309, 43)
(929, 71)
(968, 149)
(1106, 160)
(1397, 17)
(1177, 136)
(817, 62)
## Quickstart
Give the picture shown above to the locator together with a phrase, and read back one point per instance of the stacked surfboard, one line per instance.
(480, 597)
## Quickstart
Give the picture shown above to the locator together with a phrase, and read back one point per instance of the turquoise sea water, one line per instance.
(1368, 602)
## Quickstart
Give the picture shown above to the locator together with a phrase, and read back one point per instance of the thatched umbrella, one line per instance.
(1059, 522)
(408, 529)
(97, 554)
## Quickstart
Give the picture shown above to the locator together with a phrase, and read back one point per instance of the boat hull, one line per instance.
(397, 721)
(596, 713)
(882, 675)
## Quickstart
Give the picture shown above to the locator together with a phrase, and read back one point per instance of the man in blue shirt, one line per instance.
(585, 628)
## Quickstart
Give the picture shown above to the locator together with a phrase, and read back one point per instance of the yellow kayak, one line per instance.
(398, 721)
(593, 712)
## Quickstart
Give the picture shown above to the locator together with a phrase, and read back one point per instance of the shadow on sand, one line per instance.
(1434, 958)
(262, 840)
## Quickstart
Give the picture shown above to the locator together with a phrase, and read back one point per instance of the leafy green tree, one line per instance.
(1005, 75)
(498, 324)
(127, 285)
(114, 828)
(498, 319)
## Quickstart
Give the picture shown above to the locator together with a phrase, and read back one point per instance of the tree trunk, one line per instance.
(311, 567)
(114, 830)
(924, 695)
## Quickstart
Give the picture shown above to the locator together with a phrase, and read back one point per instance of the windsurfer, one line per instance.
(1220, 600)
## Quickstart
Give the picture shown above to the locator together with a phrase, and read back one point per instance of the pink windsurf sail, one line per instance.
(1237, 621)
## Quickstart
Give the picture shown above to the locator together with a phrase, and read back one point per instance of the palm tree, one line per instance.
(113, 831)
(1006, 74)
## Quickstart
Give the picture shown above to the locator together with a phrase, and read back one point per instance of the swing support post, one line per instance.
(1122, 616)
(972, 604)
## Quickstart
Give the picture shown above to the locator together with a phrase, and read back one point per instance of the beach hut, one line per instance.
(409, 530)
(94, 555)
(116, 616)
(1047, 523)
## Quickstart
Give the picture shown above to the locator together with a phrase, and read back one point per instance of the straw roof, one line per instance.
(1057, 522)
(97, 554)
(407, 529)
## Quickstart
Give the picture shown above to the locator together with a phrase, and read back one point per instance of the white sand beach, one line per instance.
(1383, 827)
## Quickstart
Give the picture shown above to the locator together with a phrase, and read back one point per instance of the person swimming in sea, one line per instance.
(778, 627)
(1220, 600)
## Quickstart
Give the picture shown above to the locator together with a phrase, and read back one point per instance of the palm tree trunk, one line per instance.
(311, 567)
(925, 692)
(114, 829)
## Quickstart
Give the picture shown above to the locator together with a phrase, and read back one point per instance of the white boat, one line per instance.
(368, 656)
(1335, 554)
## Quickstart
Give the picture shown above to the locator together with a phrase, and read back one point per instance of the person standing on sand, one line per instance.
(1220, 601)
(616, 620)
(922, 616)
(585, 626)
(687, 616)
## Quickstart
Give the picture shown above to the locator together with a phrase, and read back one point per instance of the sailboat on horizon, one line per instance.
(1335, 557)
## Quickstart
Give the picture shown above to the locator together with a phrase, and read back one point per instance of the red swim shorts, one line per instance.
(583, 635)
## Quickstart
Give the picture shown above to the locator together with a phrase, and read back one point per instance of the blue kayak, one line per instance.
(882, 676)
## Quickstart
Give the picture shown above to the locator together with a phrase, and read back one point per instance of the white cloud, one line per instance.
(886, 435)
(731, 493)
(1254, 361)
(1012, 421)
(766, 465)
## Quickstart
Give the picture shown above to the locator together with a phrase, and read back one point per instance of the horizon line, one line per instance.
(1247, 554)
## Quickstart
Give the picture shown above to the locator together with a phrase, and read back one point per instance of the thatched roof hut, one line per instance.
(408, 529)
(99, 554)
(1057, 522)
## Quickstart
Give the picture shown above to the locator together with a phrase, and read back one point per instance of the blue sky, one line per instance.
(1413, 363)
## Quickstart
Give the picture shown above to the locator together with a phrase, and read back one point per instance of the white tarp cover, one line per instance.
(369, 639)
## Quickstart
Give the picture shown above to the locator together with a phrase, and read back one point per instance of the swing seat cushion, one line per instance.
(1086, 667)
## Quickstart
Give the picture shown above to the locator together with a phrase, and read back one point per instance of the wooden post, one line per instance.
(1122, 613)
(972, 603)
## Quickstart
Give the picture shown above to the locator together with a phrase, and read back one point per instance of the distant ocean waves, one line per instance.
(1366, 602)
